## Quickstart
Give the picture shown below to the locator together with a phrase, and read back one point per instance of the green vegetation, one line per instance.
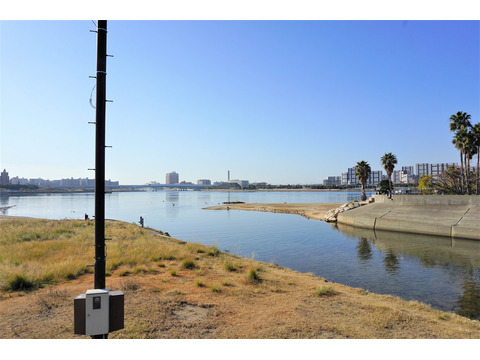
(466, 140)
(213, 251)
(384, 187)
(425, 184)
(19, 283)
(362, 171)
(18, 187)
(253, 276)
(188, 264)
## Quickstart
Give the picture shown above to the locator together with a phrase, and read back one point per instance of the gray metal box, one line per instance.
(115, 317)
(97, 312)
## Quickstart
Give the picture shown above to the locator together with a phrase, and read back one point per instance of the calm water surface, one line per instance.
(438, 271)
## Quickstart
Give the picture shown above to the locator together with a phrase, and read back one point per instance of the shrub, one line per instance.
(253, 275)
(173, 272)
(188, 264)
(19, 283)
(213, 251)
(200, 283)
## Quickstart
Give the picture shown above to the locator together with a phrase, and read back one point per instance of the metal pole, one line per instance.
(99, 273)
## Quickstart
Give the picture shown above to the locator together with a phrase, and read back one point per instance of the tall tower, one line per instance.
(4, 178)
(228, 175)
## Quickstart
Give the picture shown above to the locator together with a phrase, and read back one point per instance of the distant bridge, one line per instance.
(154, 187)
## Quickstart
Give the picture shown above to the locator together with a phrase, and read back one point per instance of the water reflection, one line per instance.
(4, 200)
(468, 304)
(172, 202)
(364, 250)
(460, 257)
(392, 265)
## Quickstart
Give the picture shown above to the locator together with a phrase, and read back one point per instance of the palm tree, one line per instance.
(362, 172)
(459, 123)
(476, 143)
(460, 142)
(388, 162)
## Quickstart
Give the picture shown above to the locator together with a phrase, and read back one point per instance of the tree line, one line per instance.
(459, 180)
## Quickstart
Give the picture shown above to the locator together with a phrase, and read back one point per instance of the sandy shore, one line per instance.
(308, 210)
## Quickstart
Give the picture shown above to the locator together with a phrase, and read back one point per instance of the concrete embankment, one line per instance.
(455, 216)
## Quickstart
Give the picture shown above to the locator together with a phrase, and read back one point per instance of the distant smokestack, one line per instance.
(228, 175)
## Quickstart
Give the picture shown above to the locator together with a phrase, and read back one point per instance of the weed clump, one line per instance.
(253, 276)
(213, 251)
(230, 267)
(188, 264)
(20, 283)
(325, 291)
(216, 288)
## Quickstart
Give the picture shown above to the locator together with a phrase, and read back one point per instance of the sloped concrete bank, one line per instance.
(455, 216)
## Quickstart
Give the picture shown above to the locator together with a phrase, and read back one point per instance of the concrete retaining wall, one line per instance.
(455, 216)
(429, 199)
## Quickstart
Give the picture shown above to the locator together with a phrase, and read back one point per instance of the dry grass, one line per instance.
(207, 300)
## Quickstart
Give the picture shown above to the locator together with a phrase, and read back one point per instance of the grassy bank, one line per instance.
(175, 289)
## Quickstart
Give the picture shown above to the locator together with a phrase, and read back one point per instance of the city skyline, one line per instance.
(287, 102)
(345, 178)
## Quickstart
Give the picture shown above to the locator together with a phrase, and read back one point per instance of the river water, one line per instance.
(441, 272)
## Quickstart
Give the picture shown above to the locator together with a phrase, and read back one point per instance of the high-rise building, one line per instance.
(4, 178)
(172, 178)
(433, 169)
(408, 169)
(423, 169)
(375, 177)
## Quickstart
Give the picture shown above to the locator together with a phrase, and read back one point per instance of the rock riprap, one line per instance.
(331, 215)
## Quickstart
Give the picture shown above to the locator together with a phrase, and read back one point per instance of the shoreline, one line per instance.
(309, 210)
(451, 216)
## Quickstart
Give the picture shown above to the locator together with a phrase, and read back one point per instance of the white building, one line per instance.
(204, 182)
(242, 183)
(332, 180)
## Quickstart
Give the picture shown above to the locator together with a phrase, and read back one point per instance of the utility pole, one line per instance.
(99, 311)
(99, 273)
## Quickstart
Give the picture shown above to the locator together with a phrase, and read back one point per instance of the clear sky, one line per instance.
(286, 102)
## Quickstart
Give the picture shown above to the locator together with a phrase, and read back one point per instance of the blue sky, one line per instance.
(286, 102)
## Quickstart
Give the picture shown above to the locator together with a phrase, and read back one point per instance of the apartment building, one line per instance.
(172, 178)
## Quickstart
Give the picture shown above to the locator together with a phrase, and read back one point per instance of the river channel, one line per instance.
(441, 272)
